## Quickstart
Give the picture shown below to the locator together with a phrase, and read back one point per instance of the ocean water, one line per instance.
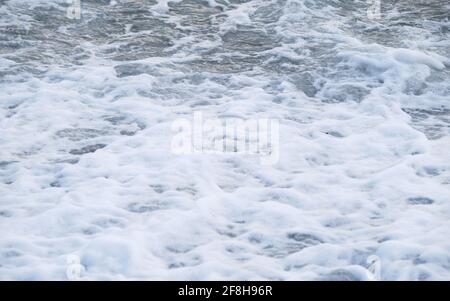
(88, 178)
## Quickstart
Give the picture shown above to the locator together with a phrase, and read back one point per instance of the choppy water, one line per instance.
(86, 108)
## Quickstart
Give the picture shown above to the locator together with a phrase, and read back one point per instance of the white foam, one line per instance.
(86, 168)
